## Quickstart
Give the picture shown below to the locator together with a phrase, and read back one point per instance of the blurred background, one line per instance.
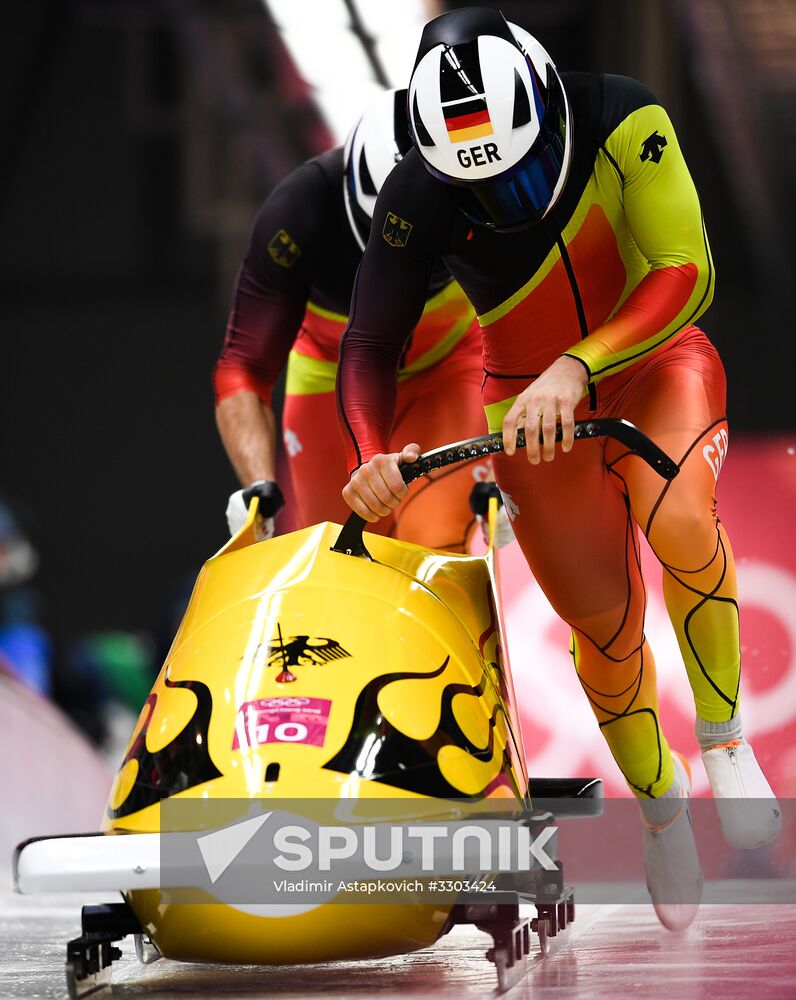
(141, 136)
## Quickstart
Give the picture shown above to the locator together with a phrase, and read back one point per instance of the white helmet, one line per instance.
(488, 115)
(374, 145)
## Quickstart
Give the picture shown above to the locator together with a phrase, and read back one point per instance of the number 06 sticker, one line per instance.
(282, 720)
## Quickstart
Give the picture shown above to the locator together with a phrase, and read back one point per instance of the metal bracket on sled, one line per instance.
(512, 934)
(90, 956)
(555, 906)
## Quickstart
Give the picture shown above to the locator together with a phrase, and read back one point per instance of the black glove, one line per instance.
(271, 499)
(480, 496)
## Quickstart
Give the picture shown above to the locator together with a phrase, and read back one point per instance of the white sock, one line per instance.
(660, 811)
(708, 734)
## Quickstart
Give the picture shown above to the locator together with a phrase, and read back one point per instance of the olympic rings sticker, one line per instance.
(282, 720)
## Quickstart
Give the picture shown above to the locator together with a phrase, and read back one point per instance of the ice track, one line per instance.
(617, 951)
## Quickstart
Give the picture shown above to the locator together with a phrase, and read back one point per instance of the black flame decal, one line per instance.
(181, 764)
(395, 759)
(486, 635)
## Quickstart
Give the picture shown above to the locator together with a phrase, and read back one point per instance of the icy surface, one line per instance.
(611, 952)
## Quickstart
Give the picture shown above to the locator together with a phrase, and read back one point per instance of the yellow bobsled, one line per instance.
(323, 664)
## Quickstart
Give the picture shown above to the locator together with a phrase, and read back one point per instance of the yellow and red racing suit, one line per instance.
(615, 276)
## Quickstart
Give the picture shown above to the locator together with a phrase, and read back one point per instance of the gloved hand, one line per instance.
(271, 502)
(479, 505)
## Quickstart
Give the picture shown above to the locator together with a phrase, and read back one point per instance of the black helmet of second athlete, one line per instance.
(378, 140)
(489, 116)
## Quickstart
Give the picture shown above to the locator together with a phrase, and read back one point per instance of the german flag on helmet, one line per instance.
(462, 92)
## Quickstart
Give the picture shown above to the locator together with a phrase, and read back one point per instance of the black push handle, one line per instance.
(350, 540)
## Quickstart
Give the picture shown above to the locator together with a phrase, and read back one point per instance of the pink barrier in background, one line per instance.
(757, 503)
(51, 779)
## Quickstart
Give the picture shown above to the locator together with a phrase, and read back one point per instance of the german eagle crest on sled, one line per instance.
(301, 650)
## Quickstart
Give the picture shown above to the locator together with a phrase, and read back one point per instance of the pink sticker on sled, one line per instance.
(282, 720)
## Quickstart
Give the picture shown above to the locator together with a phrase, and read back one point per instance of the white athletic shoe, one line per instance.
(674, 876)
(748, 811)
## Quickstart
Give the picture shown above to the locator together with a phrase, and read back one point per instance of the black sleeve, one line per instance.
(411, 221)
(273, 284)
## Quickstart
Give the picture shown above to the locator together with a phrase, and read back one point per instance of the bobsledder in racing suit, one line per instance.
(614, 277)
(290, 305)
